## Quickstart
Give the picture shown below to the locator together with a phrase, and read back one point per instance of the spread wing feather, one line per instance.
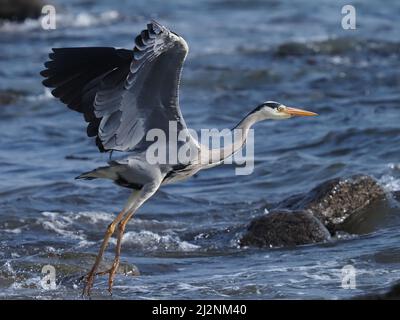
(122, 93)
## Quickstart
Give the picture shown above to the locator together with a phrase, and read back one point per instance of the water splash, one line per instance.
(147, 240)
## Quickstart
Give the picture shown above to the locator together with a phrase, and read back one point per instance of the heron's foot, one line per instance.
(89, 279)
(113, 270)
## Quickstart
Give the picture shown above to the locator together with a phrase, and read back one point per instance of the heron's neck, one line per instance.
(239, 133)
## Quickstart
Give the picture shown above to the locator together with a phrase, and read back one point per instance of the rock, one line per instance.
(72, 279)
(72, 266)
(292, 49)
(10, 96)
(283, 228)
(334, 201)
(392, 294)
(335, 205)
(19, 10)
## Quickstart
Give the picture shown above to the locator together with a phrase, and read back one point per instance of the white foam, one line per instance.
(190, 287)
(66, 224)
(85, 19)
(148, 240)
(64, 20)
(28, 283)
(390, 183)
(8, 267)
(339, 60)
(70, 217)
(46, 95)
(394, 166)
(60, 224)
(106, 217)
(15, 231)
(85, 244)
(27, 25)
(94, 216)
(59, 228)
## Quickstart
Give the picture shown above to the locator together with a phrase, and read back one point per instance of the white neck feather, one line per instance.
(240, 133)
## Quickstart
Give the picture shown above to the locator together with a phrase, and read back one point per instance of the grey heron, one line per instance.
(123, 94)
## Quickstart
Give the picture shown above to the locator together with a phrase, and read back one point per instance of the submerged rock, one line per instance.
(19, 10)
(73, 266)
(392, 294)
(334, 201)
(283, 228)
(10, 96)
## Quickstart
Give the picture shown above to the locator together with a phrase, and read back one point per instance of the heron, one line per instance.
(123, 94)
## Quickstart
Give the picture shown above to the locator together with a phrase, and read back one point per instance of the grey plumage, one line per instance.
(76, 75)
(122, 93)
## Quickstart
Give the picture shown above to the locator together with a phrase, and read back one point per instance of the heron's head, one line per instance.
(277, 111)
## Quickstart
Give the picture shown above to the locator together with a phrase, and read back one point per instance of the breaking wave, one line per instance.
(147, 240)
(390, 183)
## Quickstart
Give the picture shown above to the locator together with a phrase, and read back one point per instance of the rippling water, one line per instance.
(184, 241)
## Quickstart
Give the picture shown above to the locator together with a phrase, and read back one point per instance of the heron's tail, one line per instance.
(101, 172)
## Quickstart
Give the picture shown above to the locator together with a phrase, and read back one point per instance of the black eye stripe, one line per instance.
(269, 104)
(272, 104)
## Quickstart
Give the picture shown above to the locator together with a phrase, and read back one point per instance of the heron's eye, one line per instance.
(280, 108)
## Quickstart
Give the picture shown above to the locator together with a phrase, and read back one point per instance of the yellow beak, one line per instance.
(298, 112)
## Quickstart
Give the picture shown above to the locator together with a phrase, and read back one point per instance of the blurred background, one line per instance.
(184, 241)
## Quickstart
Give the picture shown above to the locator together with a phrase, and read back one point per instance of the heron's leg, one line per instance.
(146, 192)
(110, 230)
(115, 265)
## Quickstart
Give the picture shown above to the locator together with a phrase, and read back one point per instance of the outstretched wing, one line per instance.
(77, 73)
(148, 98)
(123, 94)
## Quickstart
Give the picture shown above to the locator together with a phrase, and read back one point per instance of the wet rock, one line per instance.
(284, 228)
(392, 294)
(292, 49)
(72, 266)
(74, 157)
(124, 268)
(74, 280)
(337, 46)
(10, 96)
(335, 205)
(19, 10)
(334, 201)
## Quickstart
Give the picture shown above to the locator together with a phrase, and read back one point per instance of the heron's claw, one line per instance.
(111, 274)
(89, 278)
